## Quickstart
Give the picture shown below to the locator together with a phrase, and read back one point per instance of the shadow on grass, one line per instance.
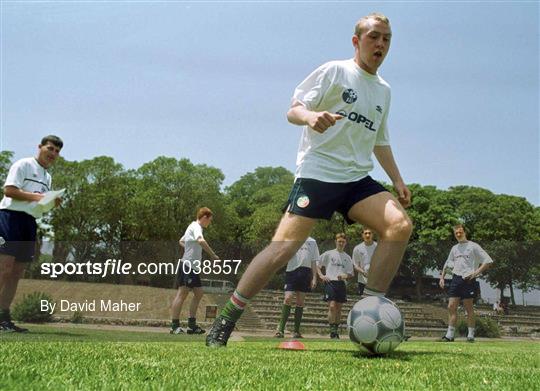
(396, 355)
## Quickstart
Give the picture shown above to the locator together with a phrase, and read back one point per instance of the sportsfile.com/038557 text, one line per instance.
(119, 267)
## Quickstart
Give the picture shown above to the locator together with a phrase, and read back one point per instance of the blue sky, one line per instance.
(212, 81)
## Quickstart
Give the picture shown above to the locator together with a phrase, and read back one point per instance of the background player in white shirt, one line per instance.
(338, 268)
(362, 255)
(188, 278)
(300, 277)
(26, 183)
(467, 260)
(343, 109)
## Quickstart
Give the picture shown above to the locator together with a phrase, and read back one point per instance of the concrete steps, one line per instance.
(267, 305)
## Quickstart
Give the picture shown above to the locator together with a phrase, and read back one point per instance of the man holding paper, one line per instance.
(26, 186)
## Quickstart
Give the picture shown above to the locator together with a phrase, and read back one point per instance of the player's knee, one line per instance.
(182, 296)
(452, 307)
(400, 229)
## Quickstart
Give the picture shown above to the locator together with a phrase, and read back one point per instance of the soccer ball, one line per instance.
(375, 325)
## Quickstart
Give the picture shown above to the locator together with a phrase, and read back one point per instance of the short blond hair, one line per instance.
(359, 28)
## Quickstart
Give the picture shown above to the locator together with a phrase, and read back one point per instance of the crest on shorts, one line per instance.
(2, 241)
(302, 202)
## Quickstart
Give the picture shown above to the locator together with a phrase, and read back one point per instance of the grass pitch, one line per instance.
(76, 358)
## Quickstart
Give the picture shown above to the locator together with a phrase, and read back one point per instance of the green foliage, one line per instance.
(77, 317)
(257, 199)
(134, 215)
(29, 308)
(485, 327)
(432, 216)
(5, 163)
(139, 215)
(508, 228)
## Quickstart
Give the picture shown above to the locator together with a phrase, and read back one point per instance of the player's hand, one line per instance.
(320, 121)
(404, 194)
(37, 196)
(470, 276)
(441, 283)
(325, 279)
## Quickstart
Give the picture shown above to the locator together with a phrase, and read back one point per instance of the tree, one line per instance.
(507, 227)
(431, 213)
(88, 224)
(5, 164)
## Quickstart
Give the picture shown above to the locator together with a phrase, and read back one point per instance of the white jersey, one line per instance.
(465, 258)
(343, 152)
(307, 255)
(192, 249)
(27, 175)
(336, 263)
(361, 256)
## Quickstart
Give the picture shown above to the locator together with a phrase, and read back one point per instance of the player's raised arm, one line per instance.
(20, 195)
(206, 247)
(384, 155)
(298, 114)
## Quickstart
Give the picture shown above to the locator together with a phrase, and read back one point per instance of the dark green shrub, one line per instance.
(485, 327)
(29, 308)
(77, 317)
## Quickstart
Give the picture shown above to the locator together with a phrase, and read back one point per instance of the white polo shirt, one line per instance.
(465, 258)
(362, 255)
(192, 249)
(27, 175)
(305, 256)
(343, 152)
(336, 263)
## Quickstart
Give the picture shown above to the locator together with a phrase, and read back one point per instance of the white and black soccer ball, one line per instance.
(376, 325)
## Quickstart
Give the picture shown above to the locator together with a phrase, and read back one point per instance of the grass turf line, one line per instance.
(73, 358)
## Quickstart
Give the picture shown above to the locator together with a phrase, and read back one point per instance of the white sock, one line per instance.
(371, 292)
(451, 331)
(471, 332)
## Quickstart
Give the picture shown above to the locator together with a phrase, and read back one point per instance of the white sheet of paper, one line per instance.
(48, 200)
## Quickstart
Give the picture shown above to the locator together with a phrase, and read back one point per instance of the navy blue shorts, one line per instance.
(319, 200)
(17, 235)
(190, 279)
(298, 279)
(335, 291)
(464, 289)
